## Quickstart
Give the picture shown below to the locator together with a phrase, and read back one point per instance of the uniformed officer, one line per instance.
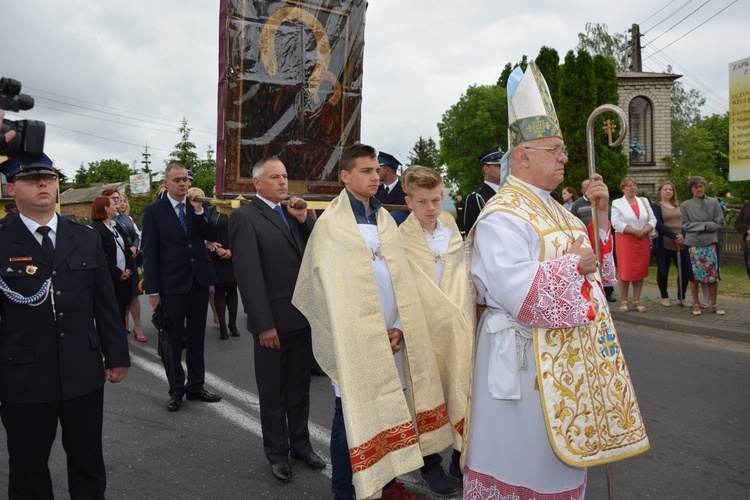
(490, 163)
(60, 338)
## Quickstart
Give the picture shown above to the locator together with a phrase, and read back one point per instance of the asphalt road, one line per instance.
(694, 393)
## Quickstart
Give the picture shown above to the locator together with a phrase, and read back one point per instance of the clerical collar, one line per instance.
(358, 208)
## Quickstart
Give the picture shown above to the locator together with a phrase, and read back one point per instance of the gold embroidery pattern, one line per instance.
(371, 452)
(434, 419)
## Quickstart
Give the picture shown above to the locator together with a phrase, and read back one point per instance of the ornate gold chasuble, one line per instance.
(587, 396)
(449, 313)
(388, 429)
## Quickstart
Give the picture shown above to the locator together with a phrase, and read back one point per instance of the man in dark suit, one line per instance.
(268, 244)
(490, 163)
(51, 351)
(391, 192)
(178, 272)
(10, 212)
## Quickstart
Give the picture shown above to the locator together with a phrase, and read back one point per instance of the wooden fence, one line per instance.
(731, 246)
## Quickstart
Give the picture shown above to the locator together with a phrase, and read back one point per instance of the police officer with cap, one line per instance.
(490, 163)
(60, 338)
(390, 191)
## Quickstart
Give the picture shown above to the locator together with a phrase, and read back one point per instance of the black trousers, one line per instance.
(31, 430)
(123, 294)
(283, 378)
(187, 318)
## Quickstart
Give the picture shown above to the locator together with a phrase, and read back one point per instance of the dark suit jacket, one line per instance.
(171, 258)
(396, 197)
(46, 358)
(110, 247)
(267, 257)
(475, 203)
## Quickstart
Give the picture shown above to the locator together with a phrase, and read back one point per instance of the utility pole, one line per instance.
(634, 49)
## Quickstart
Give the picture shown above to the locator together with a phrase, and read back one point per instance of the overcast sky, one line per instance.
(111, 76)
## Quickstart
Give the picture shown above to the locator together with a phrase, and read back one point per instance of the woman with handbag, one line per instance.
(134, 245)
(702, 217)
(119, 258)
(632, 221)
(670, 243)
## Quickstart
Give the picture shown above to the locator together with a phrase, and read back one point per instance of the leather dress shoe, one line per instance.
(205, 396)
(223, 335)
(234, 331)
(282, 471)
(174, 403)
(311, 459)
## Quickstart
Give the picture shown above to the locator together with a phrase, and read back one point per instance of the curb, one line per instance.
(692, 327)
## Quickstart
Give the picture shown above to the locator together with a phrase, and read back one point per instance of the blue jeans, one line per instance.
(341, 466)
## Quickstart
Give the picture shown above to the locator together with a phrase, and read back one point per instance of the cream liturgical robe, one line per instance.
(552, 327)
(449, 312)
(388, 429)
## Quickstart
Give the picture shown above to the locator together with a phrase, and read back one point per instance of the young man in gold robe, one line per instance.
(370, 336)
(435, 249)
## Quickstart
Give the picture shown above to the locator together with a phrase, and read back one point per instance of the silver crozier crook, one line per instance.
(594, 212)
(592, 160)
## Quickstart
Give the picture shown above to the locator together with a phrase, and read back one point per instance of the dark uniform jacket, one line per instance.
(56, 354)
(475, 202)
(266, 258)
(397, 196)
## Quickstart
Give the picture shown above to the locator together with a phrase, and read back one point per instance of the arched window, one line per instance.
(641, 114)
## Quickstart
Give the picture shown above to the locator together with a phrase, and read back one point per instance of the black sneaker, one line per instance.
(439, 482)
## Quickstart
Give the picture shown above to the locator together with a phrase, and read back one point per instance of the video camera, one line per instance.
(28, 144)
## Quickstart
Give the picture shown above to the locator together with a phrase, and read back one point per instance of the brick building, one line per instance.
(646, 99)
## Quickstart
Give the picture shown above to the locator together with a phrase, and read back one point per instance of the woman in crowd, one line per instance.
(134, 243)
(702, 217)
(742, 225)
(670, 243)
(225, 289)
(632, 220)
(569, 195)
(118, 255)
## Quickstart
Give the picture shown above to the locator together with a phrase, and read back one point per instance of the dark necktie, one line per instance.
(182, 216)
(280, 213)
(47, 246)
(387, 190)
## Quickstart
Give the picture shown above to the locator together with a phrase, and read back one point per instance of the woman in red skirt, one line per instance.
(632, 220)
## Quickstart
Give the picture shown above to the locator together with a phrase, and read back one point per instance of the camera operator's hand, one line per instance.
(10, 134)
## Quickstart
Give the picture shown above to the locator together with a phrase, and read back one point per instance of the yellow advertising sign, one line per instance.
(739, 120)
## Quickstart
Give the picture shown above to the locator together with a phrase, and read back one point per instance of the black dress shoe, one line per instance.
(205, 396)
(223, 335)
(234, 331)
(311, 459)
(174, 403)
(282, 471)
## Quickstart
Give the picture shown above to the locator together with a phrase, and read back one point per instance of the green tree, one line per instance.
(184, 152)
(425, 153)
(598, 40)
(477, 122)
(204, 173)
(82, 178)
(109, 171)
(548, 62)
(508, 69)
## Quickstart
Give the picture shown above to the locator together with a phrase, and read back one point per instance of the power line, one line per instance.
(175, 122)
(680, 21)
(672, 14)
(104, 138)
(652, 15)
(686, 34)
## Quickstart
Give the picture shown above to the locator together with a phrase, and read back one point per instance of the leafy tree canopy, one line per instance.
(598, 40)
(476, 123)
(107, 171)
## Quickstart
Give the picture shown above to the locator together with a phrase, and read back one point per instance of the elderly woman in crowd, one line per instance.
(742, 225)
(632, 220)
(702, 217)
(670, 243)
(114, 241)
